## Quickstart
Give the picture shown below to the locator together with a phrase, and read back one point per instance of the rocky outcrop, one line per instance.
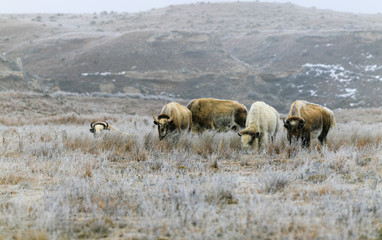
(13, 77)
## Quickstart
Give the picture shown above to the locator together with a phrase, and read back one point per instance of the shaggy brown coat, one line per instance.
(307, 121)
(173, 117)
(215, 114)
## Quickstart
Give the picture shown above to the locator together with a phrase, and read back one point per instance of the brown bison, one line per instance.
(221, 115)
(98, 127)
(307, 120)
(173, 117)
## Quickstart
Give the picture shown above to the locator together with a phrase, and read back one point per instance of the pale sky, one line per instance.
(91, 6)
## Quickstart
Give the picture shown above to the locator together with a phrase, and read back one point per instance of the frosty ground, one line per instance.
(58, 181)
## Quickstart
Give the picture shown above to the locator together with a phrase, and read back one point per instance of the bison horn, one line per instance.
(155, 120)
(302, 122)
(104, 124)
(286, 123)
(170, 119)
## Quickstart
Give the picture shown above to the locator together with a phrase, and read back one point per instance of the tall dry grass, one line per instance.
(58, 181)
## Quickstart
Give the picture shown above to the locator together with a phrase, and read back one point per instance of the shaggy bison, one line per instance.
(262, 123)
(221, 115)
(173, 117)
(307, 120)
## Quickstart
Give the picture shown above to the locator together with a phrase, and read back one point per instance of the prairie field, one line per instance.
(58, 181)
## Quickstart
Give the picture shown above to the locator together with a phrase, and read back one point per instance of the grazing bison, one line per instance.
(262, 123)
(307, 120)
(98, 127)
(221, 115)
(173, 117)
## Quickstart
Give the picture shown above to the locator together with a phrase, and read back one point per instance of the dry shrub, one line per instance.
(13, 122)
(316, 178)
(221, 191)
(74, 119)
(27, 234)
(150, 140)
(324, 190)
(164, 145)
(12, 178)
(204, 144)
(139, 155)
(184, 142)
(278, 146)
(88, 170)
(82, 143)
(274, 149)
(119, 142)
(274, 181)
(67, 119)
(95, 228)
(227, 144)
(362, 142)
(215, 164)
(116, 142)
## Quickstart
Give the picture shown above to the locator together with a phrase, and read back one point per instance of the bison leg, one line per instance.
(256, 144)
(323, 135)
(264, 143)
(289, 136)
(305, 139)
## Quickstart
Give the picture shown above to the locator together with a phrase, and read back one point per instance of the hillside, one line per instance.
(243, 51)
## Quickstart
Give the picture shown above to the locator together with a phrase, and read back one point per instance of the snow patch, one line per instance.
(350, 92)
(372, 68)
(103, 74)
(335, 71)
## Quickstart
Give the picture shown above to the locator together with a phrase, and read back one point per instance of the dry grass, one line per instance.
(58, 181)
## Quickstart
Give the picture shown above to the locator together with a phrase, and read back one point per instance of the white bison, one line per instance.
(262, 123)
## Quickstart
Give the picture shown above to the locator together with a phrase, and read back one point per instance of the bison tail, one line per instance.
(332, 120)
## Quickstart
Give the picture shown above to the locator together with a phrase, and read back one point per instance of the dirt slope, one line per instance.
(243, 51)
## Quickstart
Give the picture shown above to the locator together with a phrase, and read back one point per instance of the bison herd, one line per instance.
(256, 128)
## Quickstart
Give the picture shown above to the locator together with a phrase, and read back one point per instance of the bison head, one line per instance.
(249, 138)
(98, 127)
(294, 124)
(163, 124)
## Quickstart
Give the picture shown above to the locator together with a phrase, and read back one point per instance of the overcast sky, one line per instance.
(91, 6)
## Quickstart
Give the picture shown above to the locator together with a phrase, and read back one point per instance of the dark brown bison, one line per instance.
(307, 121)
(173, 117)
(215, 114)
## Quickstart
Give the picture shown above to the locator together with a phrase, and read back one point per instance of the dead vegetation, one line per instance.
(59, 181)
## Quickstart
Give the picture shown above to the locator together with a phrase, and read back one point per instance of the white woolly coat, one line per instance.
(262, 123)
